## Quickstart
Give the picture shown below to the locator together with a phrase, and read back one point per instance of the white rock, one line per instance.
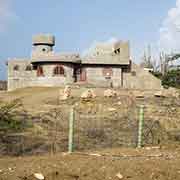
(67, 90)
(156, 147)
(111, 109)
(94, 154)
(38, 176)
(88, 94)
(10, 169)
(110, 93)
(119, 103)
(66, 93)
(159, 94)
(119, 175)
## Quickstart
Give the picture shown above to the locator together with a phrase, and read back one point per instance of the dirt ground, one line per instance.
(98, 154)
(150, 164)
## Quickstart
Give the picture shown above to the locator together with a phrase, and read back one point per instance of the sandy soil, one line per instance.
(156, 164)
(162, 163)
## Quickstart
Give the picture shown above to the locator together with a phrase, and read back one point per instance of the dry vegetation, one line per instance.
(105, 125)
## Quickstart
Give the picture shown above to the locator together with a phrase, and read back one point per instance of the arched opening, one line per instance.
(59, 71)
(40, 71)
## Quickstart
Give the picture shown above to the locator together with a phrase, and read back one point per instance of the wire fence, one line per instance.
(94, 130)
(95, 126)
(99, 129)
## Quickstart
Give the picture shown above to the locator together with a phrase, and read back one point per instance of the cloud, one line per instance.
(170, 31)
(6, 14)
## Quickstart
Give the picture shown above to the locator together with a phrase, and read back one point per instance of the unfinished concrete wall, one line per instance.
(138, 78)
(43, 43)
(20, 76)
(3, 85)
(95, 76)
(49, 79)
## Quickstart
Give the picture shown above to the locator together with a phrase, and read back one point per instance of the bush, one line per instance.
(157, 74)
(13, 118)
(172, 79)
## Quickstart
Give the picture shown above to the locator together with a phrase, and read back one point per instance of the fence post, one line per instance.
(71, 130)
(141, 124)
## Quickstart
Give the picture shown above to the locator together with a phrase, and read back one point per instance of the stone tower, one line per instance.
(43, 43)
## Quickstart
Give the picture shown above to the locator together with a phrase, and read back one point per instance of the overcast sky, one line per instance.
(79, 23)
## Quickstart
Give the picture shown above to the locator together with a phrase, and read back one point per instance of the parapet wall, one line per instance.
(45, 39)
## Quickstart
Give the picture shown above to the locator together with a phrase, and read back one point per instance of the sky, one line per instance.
(77, 24)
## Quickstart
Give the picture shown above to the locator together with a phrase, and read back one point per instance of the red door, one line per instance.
(83, 74)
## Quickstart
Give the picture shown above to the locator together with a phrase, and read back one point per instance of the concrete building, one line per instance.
(108, 66)
(3, 85)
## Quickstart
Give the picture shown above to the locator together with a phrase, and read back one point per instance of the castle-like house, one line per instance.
(108, 65)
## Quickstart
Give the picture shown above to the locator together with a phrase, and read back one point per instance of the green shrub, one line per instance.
(157, 74)
(172, 79)
(13, 117)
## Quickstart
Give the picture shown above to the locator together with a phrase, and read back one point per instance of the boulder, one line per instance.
(39, 176)
(66, 93)
(138, 94)
(159, 94)
(119, 103)
(111, 109)
(119, 176)
(88, 94)
(110, 93)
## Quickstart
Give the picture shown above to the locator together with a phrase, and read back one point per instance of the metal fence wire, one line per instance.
(100, 128)
(95, 126)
